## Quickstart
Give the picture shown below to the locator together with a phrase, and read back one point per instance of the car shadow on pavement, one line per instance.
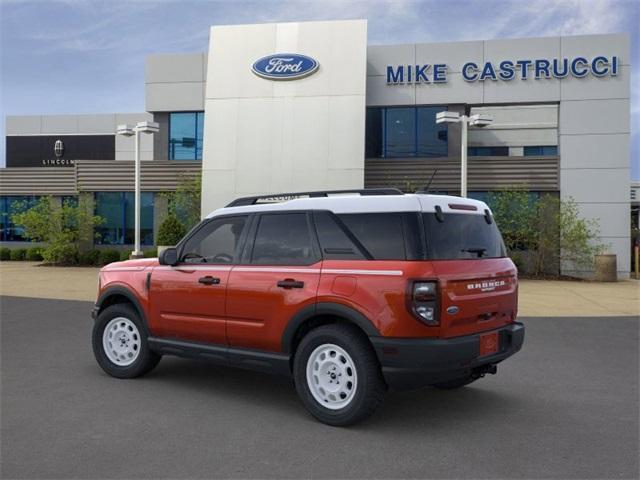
(411, 410)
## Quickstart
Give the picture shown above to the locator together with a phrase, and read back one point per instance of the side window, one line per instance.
(283, 239)
(216, 242)
(334, 241)
(380, 233)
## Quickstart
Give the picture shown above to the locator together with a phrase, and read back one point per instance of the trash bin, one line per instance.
(606, 268)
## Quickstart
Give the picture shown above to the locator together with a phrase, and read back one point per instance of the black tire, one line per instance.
(146, 359)
(456, 383)
(370, 386)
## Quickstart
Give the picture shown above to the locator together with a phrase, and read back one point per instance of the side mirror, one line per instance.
(169, 256)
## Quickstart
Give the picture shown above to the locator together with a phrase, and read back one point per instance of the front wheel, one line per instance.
(337, 375)
(119, 342)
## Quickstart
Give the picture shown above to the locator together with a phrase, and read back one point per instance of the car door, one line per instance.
(188, 299)
(278, 276)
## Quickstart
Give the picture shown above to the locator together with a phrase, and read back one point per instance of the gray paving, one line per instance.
(565, 407)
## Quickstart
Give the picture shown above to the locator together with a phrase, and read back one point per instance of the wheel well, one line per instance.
(115, 299)
(317, 321)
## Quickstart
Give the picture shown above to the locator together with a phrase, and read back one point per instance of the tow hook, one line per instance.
(483, 370)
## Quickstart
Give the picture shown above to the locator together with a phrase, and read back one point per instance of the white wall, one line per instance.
(263, 136)
(517, 126)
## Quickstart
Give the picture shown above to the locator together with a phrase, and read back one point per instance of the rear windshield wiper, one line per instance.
(479, 251)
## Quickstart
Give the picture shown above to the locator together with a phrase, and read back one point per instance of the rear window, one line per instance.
(461, 236)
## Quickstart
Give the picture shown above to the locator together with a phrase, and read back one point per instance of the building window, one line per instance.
(488, 151)
(9, 231)
(185, 135)
(405, 132)
(117, 210)
(541, 151)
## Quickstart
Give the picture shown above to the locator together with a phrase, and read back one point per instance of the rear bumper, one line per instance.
(413, 363)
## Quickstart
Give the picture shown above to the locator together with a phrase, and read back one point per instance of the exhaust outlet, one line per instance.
(483, 370)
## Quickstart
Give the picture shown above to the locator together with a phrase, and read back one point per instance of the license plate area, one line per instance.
(489, 344)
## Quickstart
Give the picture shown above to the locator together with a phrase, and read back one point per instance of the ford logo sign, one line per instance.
(285, 66)
(452, 310)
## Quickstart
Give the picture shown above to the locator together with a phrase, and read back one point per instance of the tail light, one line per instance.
(424, 302)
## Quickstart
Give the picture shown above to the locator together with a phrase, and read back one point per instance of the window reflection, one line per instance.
(185, 135)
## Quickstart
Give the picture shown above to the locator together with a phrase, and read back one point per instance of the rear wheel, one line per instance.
(456, 383)
(337, 375)
(119, 342)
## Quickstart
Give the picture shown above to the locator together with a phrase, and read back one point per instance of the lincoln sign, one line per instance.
(506, 70)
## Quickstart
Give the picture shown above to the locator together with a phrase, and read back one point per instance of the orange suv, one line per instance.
(349, 293)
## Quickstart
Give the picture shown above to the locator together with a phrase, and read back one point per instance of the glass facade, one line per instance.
(117, 209)
(405, 132)
(541, 151)
(10, 232)
(488, 151)
(185, 135)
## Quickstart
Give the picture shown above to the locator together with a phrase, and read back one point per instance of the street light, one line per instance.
(128, 131)
(477, 120)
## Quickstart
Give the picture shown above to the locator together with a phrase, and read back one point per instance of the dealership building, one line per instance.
(288, 107)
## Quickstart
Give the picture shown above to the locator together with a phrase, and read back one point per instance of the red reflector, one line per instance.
(489, 343)
(460, 206)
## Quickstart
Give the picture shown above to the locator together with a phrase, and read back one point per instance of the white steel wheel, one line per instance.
(331, 376)
(121, 341)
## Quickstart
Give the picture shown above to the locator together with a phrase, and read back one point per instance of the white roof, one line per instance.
(349, 203)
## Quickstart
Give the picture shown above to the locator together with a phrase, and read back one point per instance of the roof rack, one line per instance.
(283, 197)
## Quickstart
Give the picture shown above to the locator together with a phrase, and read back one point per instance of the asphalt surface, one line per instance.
(565, 407)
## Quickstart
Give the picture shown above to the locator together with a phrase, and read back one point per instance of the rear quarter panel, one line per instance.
(380, 290)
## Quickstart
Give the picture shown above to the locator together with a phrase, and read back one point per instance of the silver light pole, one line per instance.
(127, 130)
(477, 120)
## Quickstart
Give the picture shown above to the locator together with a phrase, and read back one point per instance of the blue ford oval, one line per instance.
(284, 66)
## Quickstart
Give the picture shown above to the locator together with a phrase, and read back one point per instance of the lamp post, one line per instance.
(128, 131)
(477, 120)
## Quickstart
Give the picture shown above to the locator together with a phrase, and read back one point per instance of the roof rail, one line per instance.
(283, 197)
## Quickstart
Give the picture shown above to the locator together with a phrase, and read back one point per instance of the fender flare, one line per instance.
(125, 292)
(325, 308)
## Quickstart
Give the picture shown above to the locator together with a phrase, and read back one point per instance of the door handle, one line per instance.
(208, 280)
(290, 283)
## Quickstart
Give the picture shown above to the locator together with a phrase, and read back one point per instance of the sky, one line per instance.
(88, 56)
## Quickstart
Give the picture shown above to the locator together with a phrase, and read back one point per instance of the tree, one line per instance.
(514, 211)
(61, 227)
(171, 231)
(184, 203)
(578, 237)
(543, 233)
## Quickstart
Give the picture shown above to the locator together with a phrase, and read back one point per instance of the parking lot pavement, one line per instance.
(564, 407)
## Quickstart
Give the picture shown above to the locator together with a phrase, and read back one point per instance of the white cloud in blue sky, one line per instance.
(77, 56)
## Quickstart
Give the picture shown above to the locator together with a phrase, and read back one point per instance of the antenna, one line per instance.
(425, 189)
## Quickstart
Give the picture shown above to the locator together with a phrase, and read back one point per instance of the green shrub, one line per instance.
(34, 254)
(5, 253)
(18, 254)
(124, 255)
(171, 231)
(57, 254)
(109, 256)
(151, 253)
(61, 227)
(90, 257)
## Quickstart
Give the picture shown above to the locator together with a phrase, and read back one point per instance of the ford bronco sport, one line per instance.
(350, 294)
